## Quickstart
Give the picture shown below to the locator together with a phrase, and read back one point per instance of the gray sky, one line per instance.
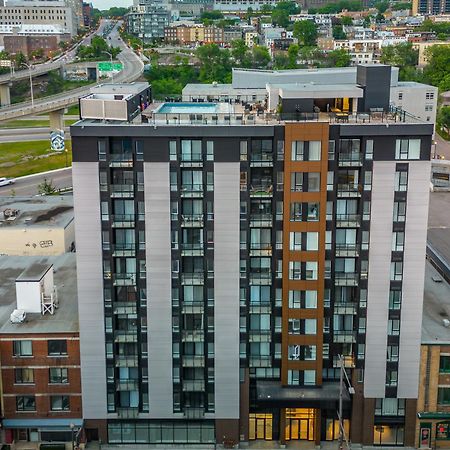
(106, 4)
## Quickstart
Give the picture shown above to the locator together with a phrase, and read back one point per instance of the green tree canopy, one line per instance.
(437, 71)
(240, 53)
(382, 6)
(260, 57)
(215, 64)
(293, 56)
(306, 32)
(338, 58)
(403, 56)
(338, 32)
(346, 20)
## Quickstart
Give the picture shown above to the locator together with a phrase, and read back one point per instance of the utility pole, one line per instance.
(341, 393)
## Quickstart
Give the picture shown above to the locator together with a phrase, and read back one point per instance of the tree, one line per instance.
(347, 21)
(366, 21)
(436, 72)
(260, 57)
(212, 15)
(399, 6)
(339, 58)
(293, 56)
(401, 55)
(55, 83)
(338, 32)
(240, 53)
(379, 18)
(265, 9)
(281, 13)
(444, 117)
(382, 6)
(306, 32)
(215, 64)
(20, 59)
(280, 61)
(46, 187)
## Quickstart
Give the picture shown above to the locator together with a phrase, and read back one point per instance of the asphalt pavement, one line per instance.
(26, 186)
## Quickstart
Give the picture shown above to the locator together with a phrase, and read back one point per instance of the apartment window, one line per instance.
(297, 182)
(393, 327)
(173, 150)
(407, 149)
(303, 299)
(302, 326)
(243, 149)
(210, 150)
(444, 396)
(313, 182)
(280, 181)
(392, 353)
(368, 180)
(330, 181)
(139, 147)
(58, 375)
(369, 149)
(315, 148)
(297, 151)
(325, 351)
(395, 299)
(398, 241)
(390, 407)
(361, 351)
(101, 146)
(280, 150)
(24, 376)
(22, 348)
(296, 212)
(57, 347)
(331, 150)
(399, 211)
(26, 403)
(191, 151)
(400, 95)
(429, 95)
(59, 403)
(396, 271)
(302, 352)
(444, 365)
(173, 181)
(428, 107)
(391, 378)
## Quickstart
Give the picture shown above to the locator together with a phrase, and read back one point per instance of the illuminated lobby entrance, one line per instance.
(260, 426)
(300, 424)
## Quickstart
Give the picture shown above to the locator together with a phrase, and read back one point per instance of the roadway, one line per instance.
(133, 68)
(26, 186)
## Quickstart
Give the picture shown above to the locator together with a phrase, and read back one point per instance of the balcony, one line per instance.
(349, 362)
(191, 190)
(344, 336)
(122, 191)
(126, 361)
(349, 190)
(127, 385)
(345, 308)
(123, 220)
(121, 160)
(191, 412)
(259, 336)
(124, 250)
(346, 279)
(193, 279)
(261, 190)
(193, 361)
(354, 159)
(192, 307)
(191, 160)
(125, 336)
(261, 220)
(193, 335)
(261, 249)
(192, 249)
(125, 308)
(260, 361)
(264, 278)
(127, 413)
(192, 220)
(347, 250)
(193, 385)
(259, 308)
(124, 279)
(261, 160)
(348, 220)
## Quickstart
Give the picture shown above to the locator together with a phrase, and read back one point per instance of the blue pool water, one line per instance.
(187, 108)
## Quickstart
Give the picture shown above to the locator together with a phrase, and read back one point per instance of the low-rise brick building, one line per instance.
(40, 358)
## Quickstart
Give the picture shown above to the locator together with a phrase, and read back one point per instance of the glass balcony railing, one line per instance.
(124, 279)
(261, 190)
(193, 278)
(188, 249)
(261, 220)
(346, 278)
(127, 413)
(191, 190)
(126, 361)
(193, 385)
(123, 220)
(349, 190)
(345, 308)
(350, 159)
(192, 220)
(261, 278)
(347, 249)
(193, 361)
(121, 160)
(124, 249)
(127, 385)
(344, 336)
(261, 249)
(122, 191)
(261, 159)
(193, 335)
(348, 220)
(125, 336)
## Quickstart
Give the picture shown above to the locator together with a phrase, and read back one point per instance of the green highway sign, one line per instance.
(109, 67)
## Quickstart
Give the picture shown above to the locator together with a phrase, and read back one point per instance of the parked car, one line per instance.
(6, 181)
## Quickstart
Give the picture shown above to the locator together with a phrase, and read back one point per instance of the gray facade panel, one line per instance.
(413, 278)
(378, 285)
(86, 195)
(159, 291)
(226, 289)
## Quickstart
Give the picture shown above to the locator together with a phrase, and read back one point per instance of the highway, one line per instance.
(26, 186)
(133, 68)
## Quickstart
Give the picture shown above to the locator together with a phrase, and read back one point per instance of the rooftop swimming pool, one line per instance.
(188, 108)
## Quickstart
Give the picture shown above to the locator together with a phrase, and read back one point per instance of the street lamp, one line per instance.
(112, 70)
(29, 66)
(351, 390)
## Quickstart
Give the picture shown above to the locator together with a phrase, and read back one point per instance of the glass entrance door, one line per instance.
(300, 424)
(260, 426)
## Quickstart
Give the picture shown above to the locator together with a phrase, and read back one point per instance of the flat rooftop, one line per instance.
(119, 88)
(65, 319)
(45, 211)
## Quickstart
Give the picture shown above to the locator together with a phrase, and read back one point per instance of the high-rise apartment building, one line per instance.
(430, 7)
(227, 258)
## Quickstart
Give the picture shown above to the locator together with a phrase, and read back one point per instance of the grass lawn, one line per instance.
(30, 123)
(22, 158)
